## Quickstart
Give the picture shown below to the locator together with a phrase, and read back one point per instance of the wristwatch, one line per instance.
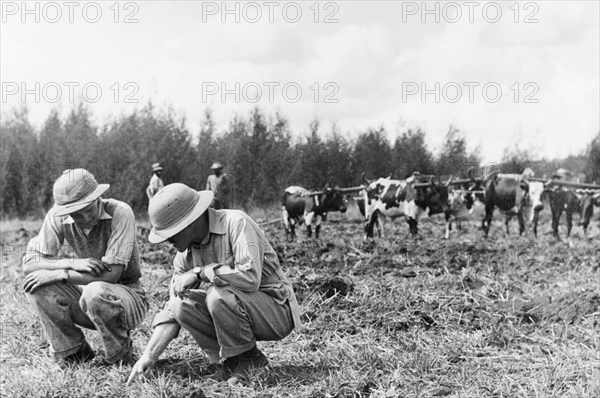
(198, 272)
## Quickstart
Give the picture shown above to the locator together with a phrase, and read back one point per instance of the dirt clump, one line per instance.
(335, 285)
(569, 308)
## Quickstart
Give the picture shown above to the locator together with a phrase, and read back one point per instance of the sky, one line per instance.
(504, 73)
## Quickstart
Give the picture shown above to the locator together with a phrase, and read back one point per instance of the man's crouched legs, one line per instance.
(112, 309)
(226, 323)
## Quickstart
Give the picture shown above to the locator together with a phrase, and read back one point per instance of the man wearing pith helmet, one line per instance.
(98, 288)
(228, 290)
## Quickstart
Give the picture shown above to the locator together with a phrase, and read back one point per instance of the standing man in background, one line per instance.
(156, 183)
(219, 183)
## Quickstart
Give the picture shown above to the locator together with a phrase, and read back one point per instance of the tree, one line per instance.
(19, 173)
(515, 160)
(372, 154)
(453, 159)
(410, 154)
(592, 166)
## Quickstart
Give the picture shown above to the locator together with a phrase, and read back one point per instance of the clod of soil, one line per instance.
(569, 308)
(336, 285)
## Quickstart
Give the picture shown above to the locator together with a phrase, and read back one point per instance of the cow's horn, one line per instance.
(449, 180)
(362, 175)
(470, 173)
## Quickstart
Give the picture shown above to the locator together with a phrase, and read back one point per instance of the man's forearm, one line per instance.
(42, 263)
(83, 278)
(160, 339)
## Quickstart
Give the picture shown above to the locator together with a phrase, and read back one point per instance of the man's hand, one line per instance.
(141, 367)
(90, 265)
(37, 279)
(184, 283)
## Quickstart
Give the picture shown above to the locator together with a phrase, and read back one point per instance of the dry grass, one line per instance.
(405, 317)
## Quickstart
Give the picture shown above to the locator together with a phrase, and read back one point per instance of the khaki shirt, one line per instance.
(112, 240)
(239, 253)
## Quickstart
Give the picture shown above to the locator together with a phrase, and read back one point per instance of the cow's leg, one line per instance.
(412, 225)
(369, 225)
(487, 221)
(286, 223)
(308, 220)
(586, 216)
(448, 217)
(292, 229)
(317, 226)
(521, 220)
(536, 215)
(380, 225)
(569, 222)
(506, 221)
(555, 220)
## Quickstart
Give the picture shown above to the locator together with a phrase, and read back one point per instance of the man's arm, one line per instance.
(37, 262)
(164, 324)
(37, 279)
(160, 339)
(244, 269)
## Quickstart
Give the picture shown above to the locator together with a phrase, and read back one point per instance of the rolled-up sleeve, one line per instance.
(48, 241)
(122, 238)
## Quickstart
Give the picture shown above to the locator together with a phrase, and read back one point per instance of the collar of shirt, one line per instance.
(215, 225)
(102, 216)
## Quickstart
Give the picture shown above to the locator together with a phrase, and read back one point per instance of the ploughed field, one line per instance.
(397, 317)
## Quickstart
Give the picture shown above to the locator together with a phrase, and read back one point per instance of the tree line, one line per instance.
(259, 152)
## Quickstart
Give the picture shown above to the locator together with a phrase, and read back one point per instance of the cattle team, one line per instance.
(228, 289)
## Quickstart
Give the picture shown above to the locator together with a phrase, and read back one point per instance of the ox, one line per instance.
(408, 198)
(463, 205)
(298, 202)
(560, 199)
(507, 192)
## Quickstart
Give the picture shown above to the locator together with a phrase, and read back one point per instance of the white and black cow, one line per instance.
(463, 205)
(298, 202)
(561, 198)
(410, 198)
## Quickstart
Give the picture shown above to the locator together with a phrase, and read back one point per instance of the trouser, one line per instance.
(226, 322)
(112, 309)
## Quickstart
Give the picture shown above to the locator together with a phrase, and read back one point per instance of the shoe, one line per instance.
(239, 367)
(84, 354)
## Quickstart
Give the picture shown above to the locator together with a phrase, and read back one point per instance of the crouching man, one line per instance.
(228, 290)
(99, 287)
